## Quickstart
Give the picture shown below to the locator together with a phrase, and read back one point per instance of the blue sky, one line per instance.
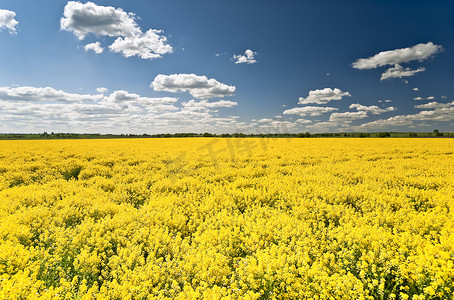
(226, 66)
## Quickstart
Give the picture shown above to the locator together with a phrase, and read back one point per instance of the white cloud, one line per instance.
(398, 72)
(442, 114)
(323, 96)
(33, 94)
(83, 19)
(96, 47)
(123, 99)
(204, 104)
(373, 109)
(415, 89)
(199, 87)
(347, 117)
(222, 53)
(101, 90)
(309, 110)
(30, 109)
(126, 98)
(303, 121)
(265, 120)
(276, 126)
(248, 57)
(329, 126)
(147, 46)
(7, 20)
(388, 101)
(418, 52)
(424, 98)
(435, 105)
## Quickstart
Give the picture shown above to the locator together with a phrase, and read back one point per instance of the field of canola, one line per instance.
(207, 218)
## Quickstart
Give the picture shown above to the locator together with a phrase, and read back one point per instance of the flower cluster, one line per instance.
(196, 218)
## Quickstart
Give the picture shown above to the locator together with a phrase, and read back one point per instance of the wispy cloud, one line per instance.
(309, 111)
(424, 98)
(347, 117)
(439, 114)
(204, 104)
(435, 105)
(418, 52)
(398, 72)
(395, 58)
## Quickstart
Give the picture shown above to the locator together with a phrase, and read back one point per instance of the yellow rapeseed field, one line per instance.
(215, 218)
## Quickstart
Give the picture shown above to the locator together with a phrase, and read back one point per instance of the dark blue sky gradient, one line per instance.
(298, 44)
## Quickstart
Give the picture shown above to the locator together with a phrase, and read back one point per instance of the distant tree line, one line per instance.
(52, 135)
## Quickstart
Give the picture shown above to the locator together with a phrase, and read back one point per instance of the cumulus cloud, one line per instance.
(96, 47)
(147, 46)
(416, 89)
(418, 52)
(7, 20)
(435, 105)
(323, 96)
(398, 72)
(248, 57)
(199, 87)
(30, 109)
(101, 90)
(347, 117)
(83, 19)
(309, 111)
(373, 109)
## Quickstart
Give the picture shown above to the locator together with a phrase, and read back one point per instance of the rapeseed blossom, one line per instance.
(200, 218)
